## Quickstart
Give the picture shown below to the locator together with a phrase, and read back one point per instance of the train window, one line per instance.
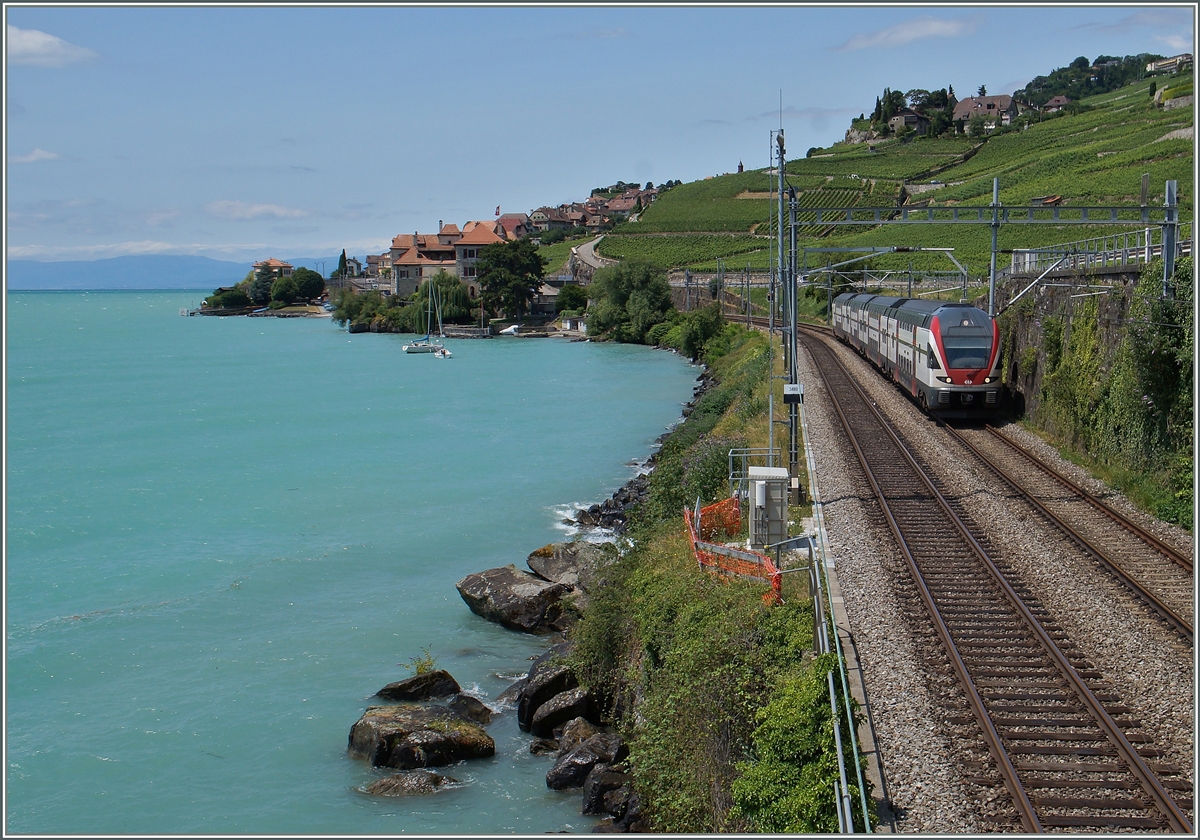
(962, 352)
(933, 362)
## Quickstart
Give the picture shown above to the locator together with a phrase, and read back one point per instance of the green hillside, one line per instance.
(1093, 157)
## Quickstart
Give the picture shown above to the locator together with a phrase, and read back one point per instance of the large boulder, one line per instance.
(408, 736)
(409, 783)
(421, 687)
(571, 563)
(516, 599)
(572, 767)
(471, 708)
(574, 732)
(601, 781)
(558, 710)
(546, 679)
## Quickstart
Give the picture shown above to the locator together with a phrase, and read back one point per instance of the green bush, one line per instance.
(628, 299)
(284, 291)
(230, 299)
(787, 788)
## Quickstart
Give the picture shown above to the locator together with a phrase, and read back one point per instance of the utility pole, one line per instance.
(1169, 231)
(771, 316)
(747, 295)
(995, 231)
(793, 345)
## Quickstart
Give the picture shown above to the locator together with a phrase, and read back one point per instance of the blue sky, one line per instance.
(241, 132)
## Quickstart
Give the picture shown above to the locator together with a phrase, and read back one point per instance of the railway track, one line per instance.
(1058, 741)
(1156, 573)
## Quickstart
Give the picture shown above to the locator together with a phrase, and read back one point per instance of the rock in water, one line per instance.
(600, 782)
(571, 563)
(558, 710)
(421, 687)
(471, 709)
(575, 732)
(518, 600)
(407, 736)
(573, 766)
(545, 680)
(409, 783)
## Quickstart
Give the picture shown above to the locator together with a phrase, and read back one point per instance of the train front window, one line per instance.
(966, 353)
(967, 338)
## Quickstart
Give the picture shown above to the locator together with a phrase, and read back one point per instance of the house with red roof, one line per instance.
(996, 110)
(1056, 104)
(277, 267)
(476, 236)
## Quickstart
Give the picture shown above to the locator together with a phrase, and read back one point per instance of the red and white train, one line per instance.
(945, 355)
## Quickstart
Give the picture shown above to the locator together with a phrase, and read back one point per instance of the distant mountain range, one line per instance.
(141, 272)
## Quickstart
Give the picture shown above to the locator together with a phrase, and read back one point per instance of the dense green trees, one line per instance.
(510, 274)
(627, 300)
(410, 314)
(234, 298)
(284, 291)
(1083, 78)
(309, 284)
(260, 286)
(571, 298)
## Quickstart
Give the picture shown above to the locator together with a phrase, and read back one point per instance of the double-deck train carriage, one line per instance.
(946, 355)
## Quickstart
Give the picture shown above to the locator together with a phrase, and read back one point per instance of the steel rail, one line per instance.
(1181, 625)
(1153, 541)
(1012, 782)
(1150, 783)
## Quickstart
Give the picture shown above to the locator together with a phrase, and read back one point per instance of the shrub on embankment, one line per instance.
(704, 680)
(1110, 380)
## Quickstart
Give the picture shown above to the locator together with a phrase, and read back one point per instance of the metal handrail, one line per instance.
(1131, 248)
(822, 548)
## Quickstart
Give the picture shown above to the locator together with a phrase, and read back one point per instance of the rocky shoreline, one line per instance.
(429, 722)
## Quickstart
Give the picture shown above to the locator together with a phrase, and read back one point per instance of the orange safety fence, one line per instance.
(726, 517)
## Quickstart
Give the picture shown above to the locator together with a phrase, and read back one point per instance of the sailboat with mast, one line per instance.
(429, 344)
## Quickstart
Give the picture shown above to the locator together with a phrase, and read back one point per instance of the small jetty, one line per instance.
(457, 331)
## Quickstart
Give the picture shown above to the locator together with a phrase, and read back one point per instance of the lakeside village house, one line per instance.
(415, 257)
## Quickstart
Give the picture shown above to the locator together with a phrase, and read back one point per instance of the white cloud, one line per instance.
(29, 46)
(909, 31)
(32, 157)
(243, 210)
(1176, 43)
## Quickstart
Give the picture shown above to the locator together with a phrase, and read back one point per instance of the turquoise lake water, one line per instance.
(225, 534)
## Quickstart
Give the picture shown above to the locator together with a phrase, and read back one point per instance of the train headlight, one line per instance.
(942, 378)
(987, 380)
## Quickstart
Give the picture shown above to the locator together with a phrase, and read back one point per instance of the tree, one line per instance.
(260, 287)
(229, 299)
(285, 291)
(309, 284)
(627, 300)
(976, 127)
(341, 269)
(510, 274)
(1081, 63)
(571, 298)
(982, 90)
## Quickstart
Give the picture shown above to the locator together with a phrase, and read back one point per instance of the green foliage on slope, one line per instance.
(693, 668)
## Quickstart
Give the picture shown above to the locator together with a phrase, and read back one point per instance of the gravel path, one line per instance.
(902, 669)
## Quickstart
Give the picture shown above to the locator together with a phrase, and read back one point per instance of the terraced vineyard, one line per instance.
(1096, 157)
